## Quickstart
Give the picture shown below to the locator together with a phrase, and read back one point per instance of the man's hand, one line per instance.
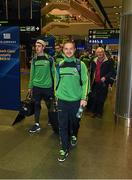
(83, 103)
(103, 79)
(30, 92)
(110, 87)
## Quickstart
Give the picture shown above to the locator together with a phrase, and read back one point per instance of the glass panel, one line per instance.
(25, 9)
(2, 9)
(36, 6)
(12, 9)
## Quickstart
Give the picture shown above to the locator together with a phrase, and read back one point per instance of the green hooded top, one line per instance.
(42, 72)
(69, 87)
(58, 58)
(86, 60)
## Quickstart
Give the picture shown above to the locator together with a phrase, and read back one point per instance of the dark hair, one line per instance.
(57, 44)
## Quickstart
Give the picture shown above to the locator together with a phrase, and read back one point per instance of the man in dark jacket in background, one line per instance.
(101, 73)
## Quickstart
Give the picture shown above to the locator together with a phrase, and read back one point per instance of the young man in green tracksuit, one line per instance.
(71, 94)
(58, 54)
(41, 80)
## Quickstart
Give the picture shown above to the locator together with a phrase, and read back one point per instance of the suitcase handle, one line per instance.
(28, 96)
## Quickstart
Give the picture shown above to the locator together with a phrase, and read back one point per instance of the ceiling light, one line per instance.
(114, 7)
(47, 4)
(116, 13)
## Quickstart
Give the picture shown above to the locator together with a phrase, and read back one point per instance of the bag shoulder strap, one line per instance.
(78, 66)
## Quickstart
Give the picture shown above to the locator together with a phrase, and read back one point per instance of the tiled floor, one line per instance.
(104, 149)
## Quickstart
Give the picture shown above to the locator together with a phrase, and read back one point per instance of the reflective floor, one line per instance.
(104, 149)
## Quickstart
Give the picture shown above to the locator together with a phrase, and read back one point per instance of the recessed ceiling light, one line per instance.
(47, 3)
(114, 7)
(116, 13)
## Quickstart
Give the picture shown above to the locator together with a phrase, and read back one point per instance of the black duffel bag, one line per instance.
(26, 109)
(27, 106)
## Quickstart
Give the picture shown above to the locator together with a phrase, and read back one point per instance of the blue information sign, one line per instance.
(103, 36)
(9, 68)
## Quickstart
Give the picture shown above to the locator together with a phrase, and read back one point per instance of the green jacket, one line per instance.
(69, 88)
(41, 72)
(58, 58)
(86, 60)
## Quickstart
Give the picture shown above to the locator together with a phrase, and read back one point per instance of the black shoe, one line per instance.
(35, 128)
(99, 116)
(94, 115)
(49, 123)
(62, 155)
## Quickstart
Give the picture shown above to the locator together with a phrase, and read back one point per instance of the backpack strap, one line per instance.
(58, 72)
(78, 66)
(34, 59)
(51, 60)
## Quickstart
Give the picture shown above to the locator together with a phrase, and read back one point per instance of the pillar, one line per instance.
(123, 106)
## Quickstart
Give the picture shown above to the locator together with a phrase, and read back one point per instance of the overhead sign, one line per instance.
(31, 26)
(9, 68)
(25, 14)
(103, 36)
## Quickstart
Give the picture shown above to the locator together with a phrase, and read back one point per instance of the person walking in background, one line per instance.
(85, 58)
(71, 92)
(41, 81)
(58, 54)
(101, 72)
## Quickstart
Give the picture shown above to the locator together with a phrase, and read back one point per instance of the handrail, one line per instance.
(52, 25)
(84, 11)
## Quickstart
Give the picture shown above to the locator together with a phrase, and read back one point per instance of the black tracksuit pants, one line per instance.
(99, 94)
(68, 123)
(38, 95)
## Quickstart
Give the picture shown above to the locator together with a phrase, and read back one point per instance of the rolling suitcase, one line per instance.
(53, 115)
(53, 119)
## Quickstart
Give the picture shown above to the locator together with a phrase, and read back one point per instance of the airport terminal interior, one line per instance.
(104, 145)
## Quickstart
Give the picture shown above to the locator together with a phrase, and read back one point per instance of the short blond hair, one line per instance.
(100, 49)
(69, 42)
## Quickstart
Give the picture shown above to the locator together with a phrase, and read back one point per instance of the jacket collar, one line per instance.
(105, 59)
